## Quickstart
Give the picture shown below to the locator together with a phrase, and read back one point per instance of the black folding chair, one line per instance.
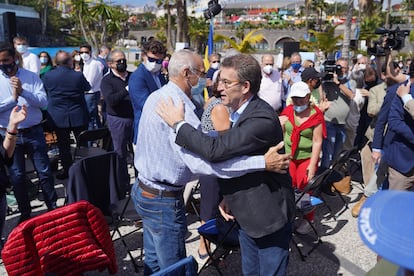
(336, 172)
(100, 140)
(95, 179)
(306, 203)
(224, 234)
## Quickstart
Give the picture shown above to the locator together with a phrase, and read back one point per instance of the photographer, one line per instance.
(339, 91)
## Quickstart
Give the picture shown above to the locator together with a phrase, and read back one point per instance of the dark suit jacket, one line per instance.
(66, 101)
(141, 84)
(381, 137)
(400, 152)
(262, 202)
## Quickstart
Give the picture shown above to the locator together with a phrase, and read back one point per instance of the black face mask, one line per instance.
(121, 67)
(370, 84)
(7, 68)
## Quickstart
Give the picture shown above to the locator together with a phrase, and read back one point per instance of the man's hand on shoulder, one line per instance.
(404, 89)
(170, 113)
(275, 161)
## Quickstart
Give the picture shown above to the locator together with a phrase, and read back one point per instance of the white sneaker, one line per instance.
(304, 227)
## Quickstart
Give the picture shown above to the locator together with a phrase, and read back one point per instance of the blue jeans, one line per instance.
(165, 227)
(268, 255)
(32, 142)
(92, 100)
(332, 145)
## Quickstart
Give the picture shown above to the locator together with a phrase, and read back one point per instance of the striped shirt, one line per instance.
(164, 165)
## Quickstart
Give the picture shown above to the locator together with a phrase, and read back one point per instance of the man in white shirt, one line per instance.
(271, 85)
(31, 62)
(92, 70)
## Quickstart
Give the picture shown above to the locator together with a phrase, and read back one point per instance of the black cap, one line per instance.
(311, 73)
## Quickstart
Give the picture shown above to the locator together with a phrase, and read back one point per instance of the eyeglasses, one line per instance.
(158, 61)
(201, 73)
(228, 83)
(84, 52)
(120, 61)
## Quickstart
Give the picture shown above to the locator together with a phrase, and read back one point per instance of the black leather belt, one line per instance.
(155, 192)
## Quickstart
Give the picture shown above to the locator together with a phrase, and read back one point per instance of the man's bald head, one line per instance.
(63, 58)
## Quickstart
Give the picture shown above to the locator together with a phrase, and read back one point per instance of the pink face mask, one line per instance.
(165, 64)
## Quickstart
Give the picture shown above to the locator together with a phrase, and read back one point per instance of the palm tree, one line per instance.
(320, 6)
(370, 24)
(198, 32)
(325, 41)
(245, 46)
(97, 22)
(307, 7)
(167, 5)
(347, 31)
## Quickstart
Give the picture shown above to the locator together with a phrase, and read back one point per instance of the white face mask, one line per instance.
(268, 69)
(77, 58)
(21, 48)
(215, 65)
(362, 66)
(85, 56)
(153, 67)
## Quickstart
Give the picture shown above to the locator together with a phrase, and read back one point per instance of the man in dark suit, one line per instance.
(67, 109)
(146, 79)
(400, 151)
(261, 202)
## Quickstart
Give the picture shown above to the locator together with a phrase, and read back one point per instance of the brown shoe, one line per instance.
(355, 210)
(343, 186)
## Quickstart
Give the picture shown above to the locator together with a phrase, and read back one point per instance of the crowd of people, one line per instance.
(250, 132)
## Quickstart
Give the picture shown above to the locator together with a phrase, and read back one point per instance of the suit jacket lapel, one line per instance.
(251, 106)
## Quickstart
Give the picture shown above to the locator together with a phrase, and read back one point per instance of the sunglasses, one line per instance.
(158, 61)
(121, 61)
(84, 52)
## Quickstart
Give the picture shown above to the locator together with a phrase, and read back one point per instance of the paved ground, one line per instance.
(341, 252)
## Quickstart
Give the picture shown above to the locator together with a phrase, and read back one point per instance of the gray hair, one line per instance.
(111, 54)
(179, 60)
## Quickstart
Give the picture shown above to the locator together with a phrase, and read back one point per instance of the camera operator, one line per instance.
(339, 91)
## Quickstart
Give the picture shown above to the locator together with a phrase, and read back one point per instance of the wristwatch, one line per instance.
(175, 125)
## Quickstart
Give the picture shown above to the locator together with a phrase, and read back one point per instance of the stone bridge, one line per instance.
(273, 38)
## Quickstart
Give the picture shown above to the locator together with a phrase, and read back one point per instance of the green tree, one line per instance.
(167, 5)
(320, 6)
(245, 46)
(369, 24)
(347, 31)
(326, 41)
(198, 30)
(98, 22)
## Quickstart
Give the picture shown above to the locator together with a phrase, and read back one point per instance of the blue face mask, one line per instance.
(296, 66)
(300, 108)
(199, 87)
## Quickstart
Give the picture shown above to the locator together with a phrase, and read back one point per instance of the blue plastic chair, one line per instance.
(184, 267)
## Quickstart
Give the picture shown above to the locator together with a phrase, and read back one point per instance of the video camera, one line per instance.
(390, 39)
(213, 9)
(330, 67)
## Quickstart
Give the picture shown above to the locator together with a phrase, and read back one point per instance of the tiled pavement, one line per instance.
(341, 252)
